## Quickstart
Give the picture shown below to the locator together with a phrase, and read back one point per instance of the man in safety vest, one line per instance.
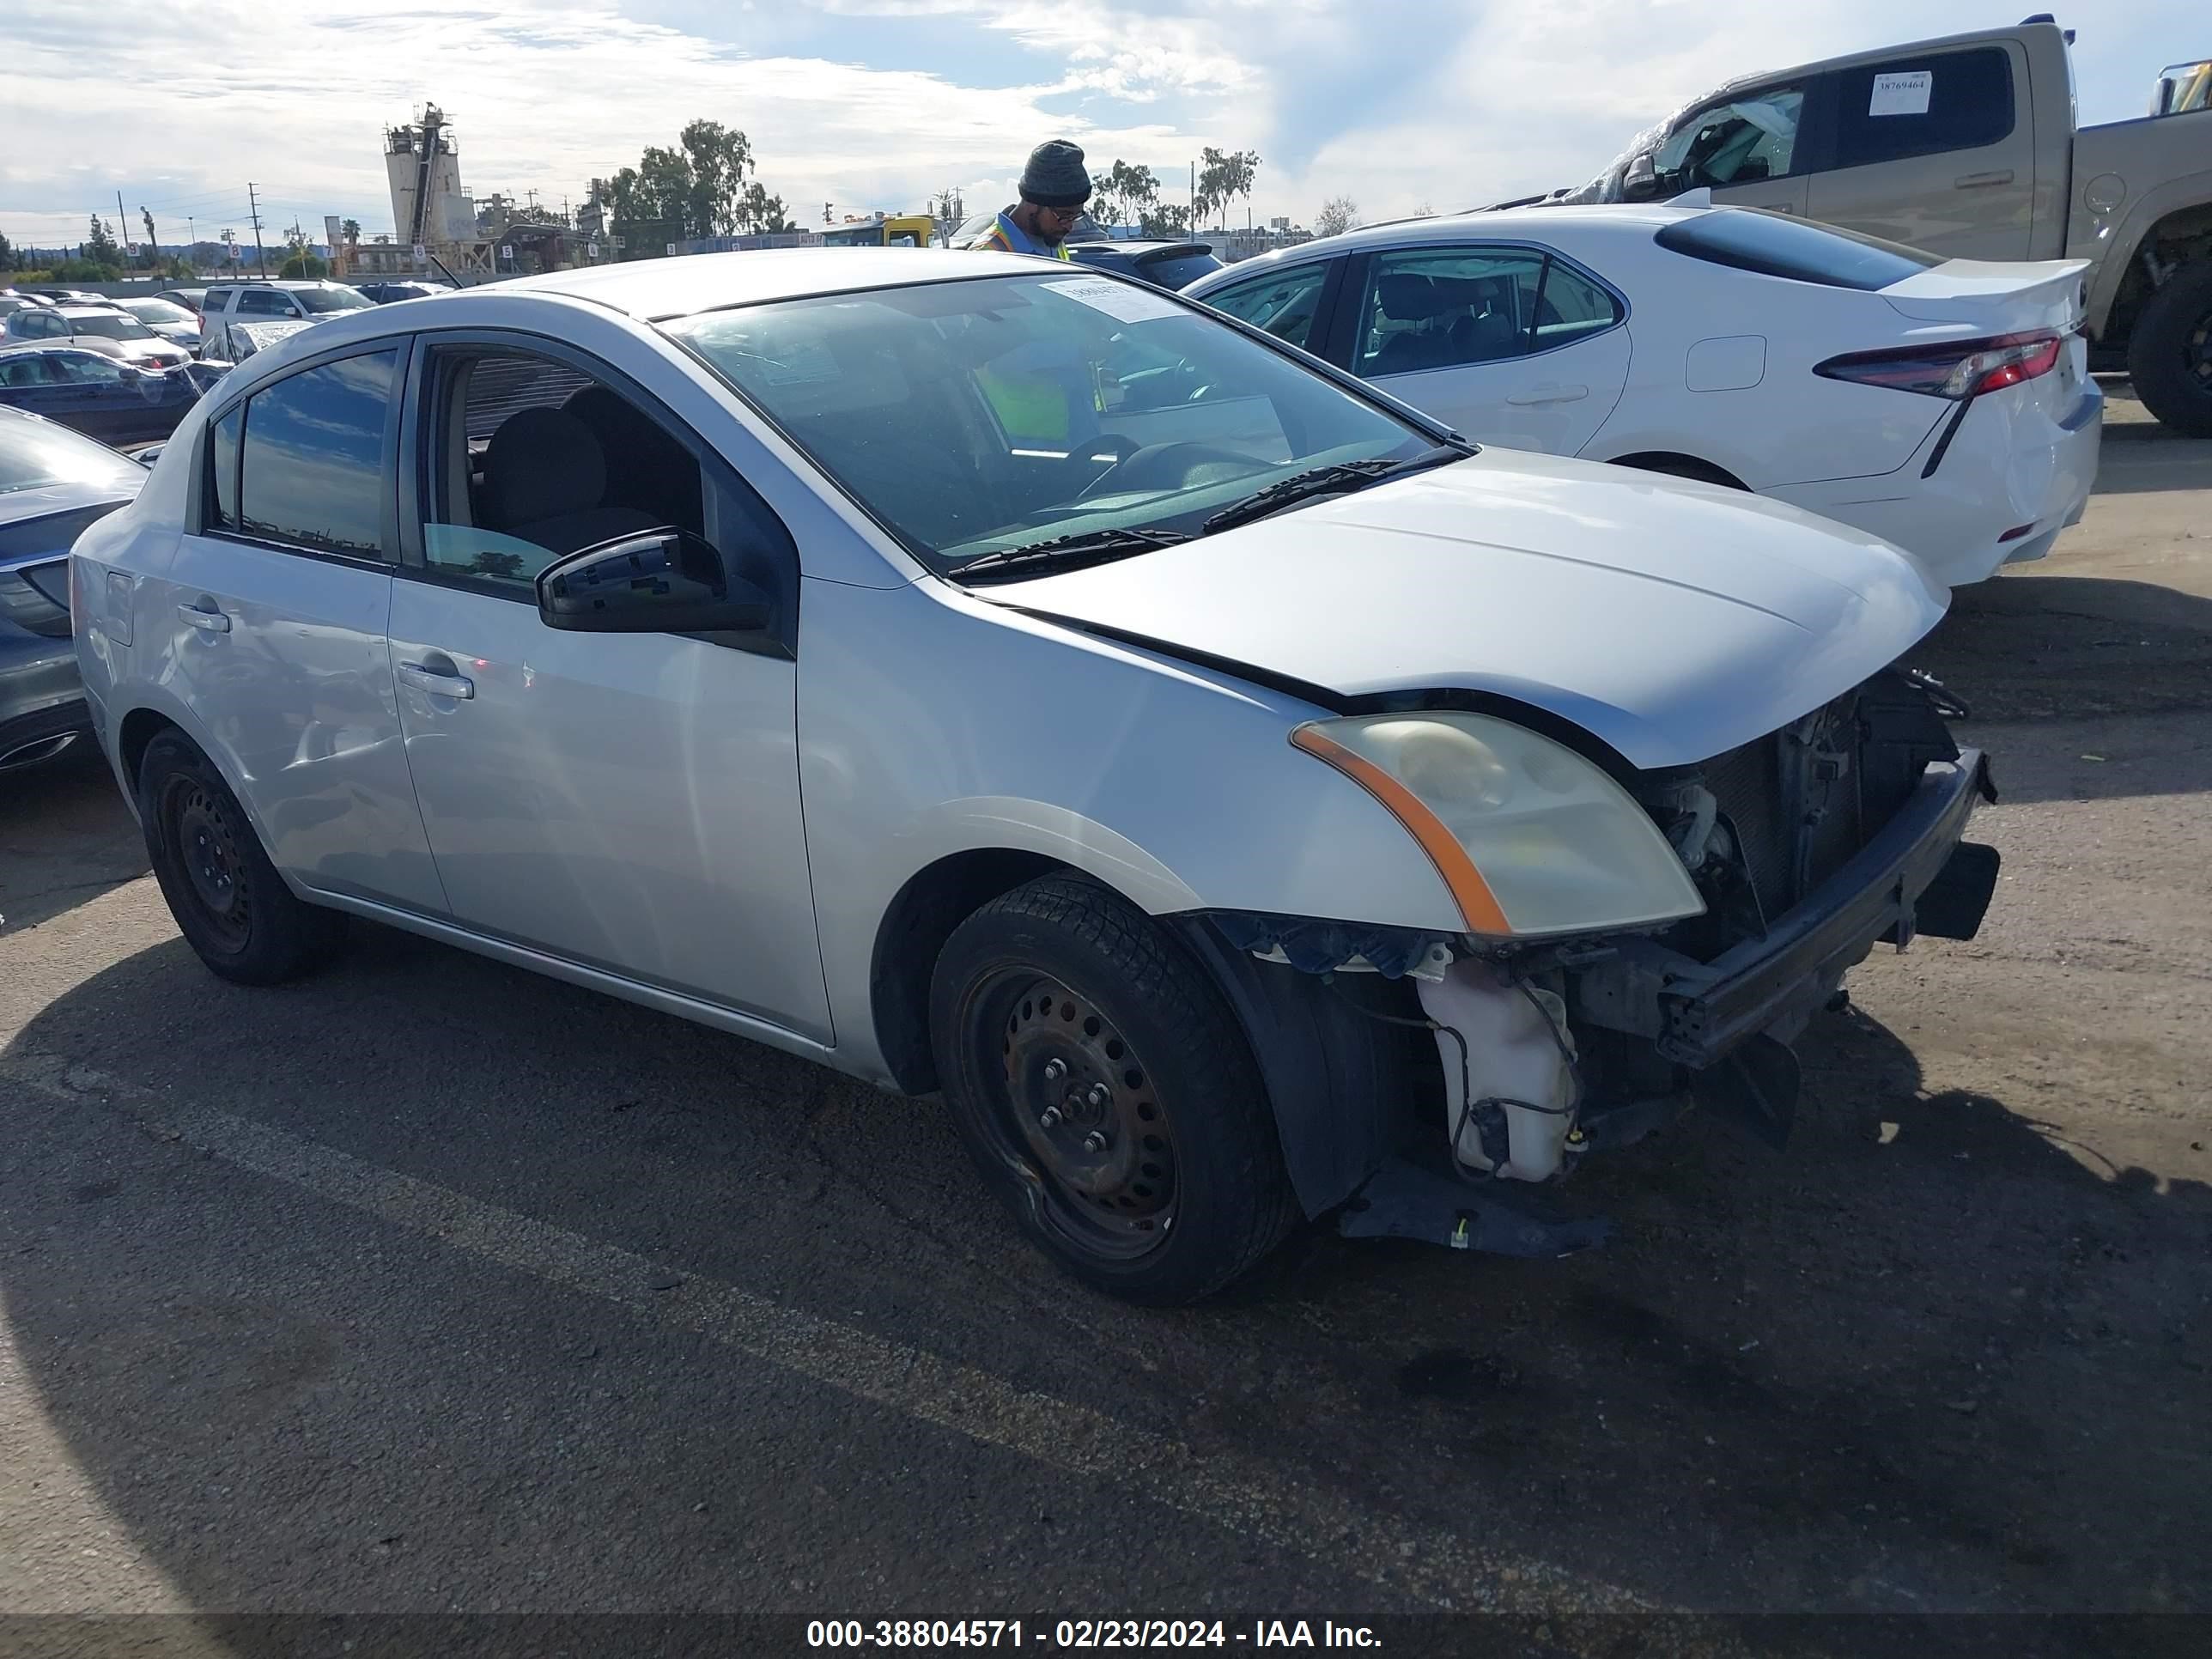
(1054, 187)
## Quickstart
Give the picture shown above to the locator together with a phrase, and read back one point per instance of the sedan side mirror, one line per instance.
(1641, 182)
(659, 581)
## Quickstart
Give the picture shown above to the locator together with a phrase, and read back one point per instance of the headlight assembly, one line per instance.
(1531, 838)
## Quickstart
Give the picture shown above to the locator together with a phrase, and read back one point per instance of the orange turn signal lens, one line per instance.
(1478, 905)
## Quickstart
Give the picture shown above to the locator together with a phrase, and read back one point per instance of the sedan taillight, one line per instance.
(1954, 369)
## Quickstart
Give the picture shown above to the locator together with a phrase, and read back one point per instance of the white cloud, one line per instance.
(1395, 102)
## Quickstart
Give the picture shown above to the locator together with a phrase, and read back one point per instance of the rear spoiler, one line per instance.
(1177, 251)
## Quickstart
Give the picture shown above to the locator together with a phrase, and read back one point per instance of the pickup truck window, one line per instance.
(1922, 105)
(1753, 136)
(1774, 244)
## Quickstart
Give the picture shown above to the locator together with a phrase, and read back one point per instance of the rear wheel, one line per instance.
(2169, 353)
(229, 902)
(1108, 1094)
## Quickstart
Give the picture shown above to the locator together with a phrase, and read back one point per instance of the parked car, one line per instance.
(1943, 405)
(17, 302)
(1968, 146)
(227, 304)
(93, 393)
(384, 294)
(100, 328)
(1163, 263)
(68, 296)
(52, 484)
(1183, 723)
(192, 299)
(172, 321)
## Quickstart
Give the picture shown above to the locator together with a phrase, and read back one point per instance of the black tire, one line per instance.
(1188, 1190)
(2169, 353)
(228, 901)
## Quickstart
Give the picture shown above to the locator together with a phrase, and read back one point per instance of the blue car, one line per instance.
(53, 485)
(100, 396)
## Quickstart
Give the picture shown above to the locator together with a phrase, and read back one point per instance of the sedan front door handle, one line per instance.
(1980, 180)
(423, 677)
(208, 622)
(1550, 394)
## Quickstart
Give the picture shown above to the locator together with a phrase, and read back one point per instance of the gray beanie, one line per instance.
(1054, 177)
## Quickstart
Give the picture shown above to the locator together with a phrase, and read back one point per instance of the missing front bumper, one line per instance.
(1914, 876)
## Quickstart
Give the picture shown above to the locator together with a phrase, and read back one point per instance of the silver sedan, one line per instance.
(1243, 800)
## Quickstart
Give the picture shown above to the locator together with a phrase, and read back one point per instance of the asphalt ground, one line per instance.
(432, 1290)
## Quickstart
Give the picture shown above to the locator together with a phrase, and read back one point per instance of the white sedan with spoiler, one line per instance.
(1942, 404)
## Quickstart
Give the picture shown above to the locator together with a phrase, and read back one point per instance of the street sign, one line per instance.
(507, 250)
(332, 232)
(421, 254)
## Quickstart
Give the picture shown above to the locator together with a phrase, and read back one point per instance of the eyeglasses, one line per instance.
(1065, 215)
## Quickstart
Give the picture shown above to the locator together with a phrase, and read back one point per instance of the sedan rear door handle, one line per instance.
(1980, 180)
(1550, 394)
(208, 622)
(425, 679)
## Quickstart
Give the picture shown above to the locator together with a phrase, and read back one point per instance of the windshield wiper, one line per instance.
(1085, 547)
(1335, 479)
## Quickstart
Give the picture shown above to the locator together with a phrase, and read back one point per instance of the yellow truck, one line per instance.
(884, 230)
(1966, 146)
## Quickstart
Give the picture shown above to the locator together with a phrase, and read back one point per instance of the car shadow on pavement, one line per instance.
(2096, 688)
(65, 838)
(1921, 1360)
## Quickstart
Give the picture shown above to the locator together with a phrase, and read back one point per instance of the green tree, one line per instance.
(720, 157)
(763, 212)
(350, 230)
(1338, 214)
(1123, 194)
(99, 245)
(1223, 177)
(304, 267)
(1166, 219)
(7, 254)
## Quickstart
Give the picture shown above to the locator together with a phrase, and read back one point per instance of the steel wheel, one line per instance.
(1081, 1110)
(230, 903)
(207, 844)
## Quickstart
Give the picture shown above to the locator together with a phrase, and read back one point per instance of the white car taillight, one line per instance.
(1954, 369)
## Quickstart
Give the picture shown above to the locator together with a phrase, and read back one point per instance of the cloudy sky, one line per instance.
(878, 103)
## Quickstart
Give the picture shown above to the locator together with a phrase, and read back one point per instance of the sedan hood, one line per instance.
(1671, 620)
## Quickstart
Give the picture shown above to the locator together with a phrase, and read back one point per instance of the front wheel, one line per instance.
(1108, 1094)
(2169, 353)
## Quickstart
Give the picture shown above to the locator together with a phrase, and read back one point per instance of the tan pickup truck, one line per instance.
(1966, 146)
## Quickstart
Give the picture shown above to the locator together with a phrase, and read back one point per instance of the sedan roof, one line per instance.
(654, 288)
(1534, 224)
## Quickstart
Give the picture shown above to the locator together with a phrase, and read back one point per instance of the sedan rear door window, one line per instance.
(311, 470)
(1446, 307)
(1283, 302)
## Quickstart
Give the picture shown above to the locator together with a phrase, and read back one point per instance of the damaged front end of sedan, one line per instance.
(1433, 1086)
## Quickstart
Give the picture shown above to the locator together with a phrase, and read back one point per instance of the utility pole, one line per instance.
(260, 254)
(121, 224)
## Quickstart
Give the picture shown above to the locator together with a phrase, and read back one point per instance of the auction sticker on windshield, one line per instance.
(1123, 301)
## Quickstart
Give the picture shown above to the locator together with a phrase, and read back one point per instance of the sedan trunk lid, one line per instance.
(1994, 296)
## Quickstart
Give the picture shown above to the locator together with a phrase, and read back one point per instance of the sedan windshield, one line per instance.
(110, 325)
(34, 454)
(158, 311)
(315, 299)
(973, 418)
